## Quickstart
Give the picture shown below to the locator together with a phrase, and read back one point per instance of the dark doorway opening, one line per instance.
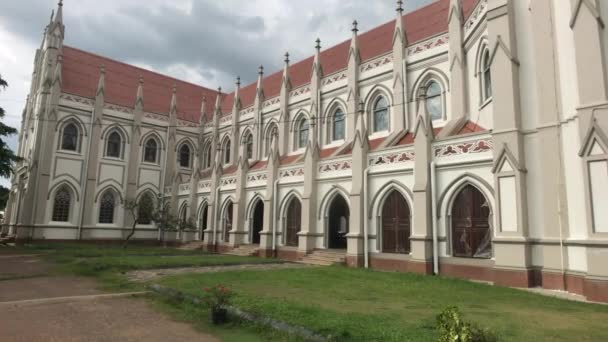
(339, 215)
(294, 221)
(258, 222)
(203, 222)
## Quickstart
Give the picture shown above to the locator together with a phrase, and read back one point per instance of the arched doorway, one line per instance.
(395, 224)
(203, 221)
(227, 222)
(293, 224)
(258, 222)
(471, 233)
(339, 215)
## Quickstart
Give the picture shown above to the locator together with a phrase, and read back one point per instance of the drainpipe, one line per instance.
(434, 219)
(217, 194)
(365, 219)
(275, 189)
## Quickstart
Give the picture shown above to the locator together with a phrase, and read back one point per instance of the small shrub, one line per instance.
(452, 328)
(218, 298)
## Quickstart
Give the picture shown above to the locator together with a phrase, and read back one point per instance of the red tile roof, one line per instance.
(290, 159)
(258, 165)
(81, 71)
(419, 25)
(471, 127)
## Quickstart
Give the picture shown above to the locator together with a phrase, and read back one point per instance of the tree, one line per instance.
(160, 214)
(7, 156)
(4, 192)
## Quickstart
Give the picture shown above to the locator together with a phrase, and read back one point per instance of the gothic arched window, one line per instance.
(145, 209)
(434, 100)
(337, 132)
(226, 149)
(207, 156)
(151, 151)
(69, 138)
(249, 145)
(302, 133)
(106, 207)
(184, 156)
(380, 115)
(487, 76)
(272, 131)
(114, 145)
(61, 205)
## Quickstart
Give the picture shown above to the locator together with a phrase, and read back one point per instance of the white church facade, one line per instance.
(468, 138)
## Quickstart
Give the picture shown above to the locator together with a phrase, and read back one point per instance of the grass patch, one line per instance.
(363, 305)
(198, 317)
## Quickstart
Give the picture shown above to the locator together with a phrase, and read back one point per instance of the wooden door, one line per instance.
(294, 220)
(470, 225)
(395, 224)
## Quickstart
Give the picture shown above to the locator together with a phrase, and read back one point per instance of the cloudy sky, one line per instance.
(207, 42)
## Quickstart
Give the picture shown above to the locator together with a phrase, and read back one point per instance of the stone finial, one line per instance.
(174, 88)
(141, 79)
(355, 25)
(361, 107)
(261, 70)
(318, 46)
(102, 69)
(219, 90)
(400, 6)
(286, 57)
(238, 81)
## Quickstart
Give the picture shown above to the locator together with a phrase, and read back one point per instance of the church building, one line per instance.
(468, 138)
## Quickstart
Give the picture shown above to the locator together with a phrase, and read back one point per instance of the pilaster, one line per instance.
(135, 147)
(235, 131)
(352, 101)
(400, 109)
(422, 224)
(284, 116)
(270, 217)
(358, 207)
(216, 175)
(88, 205)
(239, 229)
(554, 204)
(258, 120)
(171, 173)
(511, 250)
(307, 235)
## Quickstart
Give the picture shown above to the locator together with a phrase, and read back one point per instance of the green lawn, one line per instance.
(361, 305)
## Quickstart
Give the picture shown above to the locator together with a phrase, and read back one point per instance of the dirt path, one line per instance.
(77, 310)
(147, 275)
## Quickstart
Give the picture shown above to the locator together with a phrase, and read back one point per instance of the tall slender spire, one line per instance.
(139, 99)
(237, 93)
(59, 15)
(317, 58)
(101, 84)
(354, 43)
(260, 90)
(174, 101)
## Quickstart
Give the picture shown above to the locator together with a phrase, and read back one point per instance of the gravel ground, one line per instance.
(89, 319)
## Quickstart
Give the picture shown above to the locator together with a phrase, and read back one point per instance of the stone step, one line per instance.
(193, 245)
(324, 258)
